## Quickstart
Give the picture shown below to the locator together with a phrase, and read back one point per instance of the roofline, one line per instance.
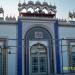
(66, 23)
(8, 22)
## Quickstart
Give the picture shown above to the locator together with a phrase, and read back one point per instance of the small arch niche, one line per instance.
(24, 10)
(1, 15)
(37, 9)
(45, 11)
(30, 10)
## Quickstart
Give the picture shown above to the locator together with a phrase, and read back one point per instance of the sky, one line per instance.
(63, 7)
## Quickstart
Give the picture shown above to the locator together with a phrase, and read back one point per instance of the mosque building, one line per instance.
(37, 43)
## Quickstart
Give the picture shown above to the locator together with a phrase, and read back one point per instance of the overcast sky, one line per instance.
(63, 6)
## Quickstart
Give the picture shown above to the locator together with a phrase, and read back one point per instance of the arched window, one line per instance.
(38, 52)
(3, 57)
(38, 56)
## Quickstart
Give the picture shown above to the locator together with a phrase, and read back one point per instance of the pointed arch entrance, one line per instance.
(39, 59)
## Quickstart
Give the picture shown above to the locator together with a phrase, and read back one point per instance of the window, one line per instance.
(38, 57)
(34, 60)
(3, 57)
(73, 59)
(43, 64)
(34, 64)
(72, 54)
(38, 35)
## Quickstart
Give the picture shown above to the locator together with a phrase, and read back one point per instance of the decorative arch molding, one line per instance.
(31, 10)
(39, 44)
(41, 26)
(38, 26)
(45, 10)
(46, 36)
(24, 10)
(30, 6)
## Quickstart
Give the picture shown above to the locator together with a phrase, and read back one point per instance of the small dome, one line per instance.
(19, 4)
(10, 17)
(45, 3)
(7, 17)
(24, 4)
(74, 13)
(70, 14)
(51, 6)
(30, 2)
(54, 7)
(1, 10)
(14, 18)
(38, 3)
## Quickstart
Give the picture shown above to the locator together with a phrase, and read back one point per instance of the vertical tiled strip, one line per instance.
(27, 58)
(19, 49)
(58, 69)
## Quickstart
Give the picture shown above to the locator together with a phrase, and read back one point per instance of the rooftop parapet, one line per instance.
(37, 9)
(10, 18)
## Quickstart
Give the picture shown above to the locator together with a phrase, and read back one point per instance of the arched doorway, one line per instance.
(39, 59)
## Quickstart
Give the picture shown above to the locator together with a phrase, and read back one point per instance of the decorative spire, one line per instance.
(38, 2)
(44, 0)
(45, 3)
(19, 4)
(24, 1)
(19, 1)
